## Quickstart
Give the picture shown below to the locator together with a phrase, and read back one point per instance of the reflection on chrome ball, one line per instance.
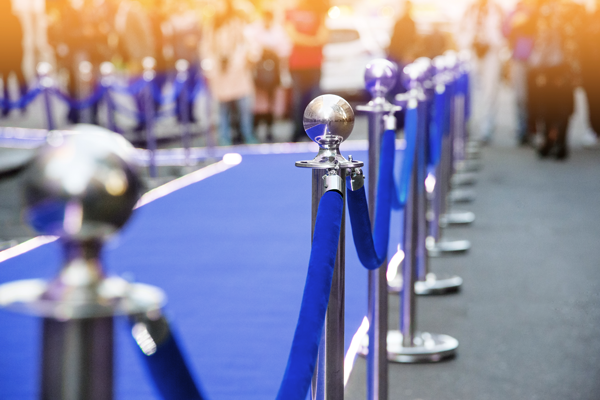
(328, 116)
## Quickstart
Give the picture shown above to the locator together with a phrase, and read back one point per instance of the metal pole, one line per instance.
(85, 69)
(182, 67)
(149, 76)
(328, 120)
(46, 82)
(106, 70)
(330, 372)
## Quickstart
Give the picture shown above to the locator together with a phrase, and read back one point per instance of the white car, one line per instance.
(352, 45)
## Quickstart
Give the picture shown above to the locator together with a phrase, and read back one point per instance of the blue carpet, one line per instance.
(232, 253)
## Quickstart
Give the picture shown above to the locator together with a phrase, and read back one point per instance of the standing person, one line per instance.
(32, 14)
(305, 25)
(590, 66)
(230, 55)
(552, 76)
(186, 36)
(520, 31)
(404, 38)
(11, 51)
(275, 47)
(481, 32)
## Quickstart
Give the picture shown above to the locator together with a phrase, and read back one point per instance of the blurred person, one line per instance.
(590, 67)
(32, 14)
(404, 37)
(275, 48)
(11, 51)
(481, 32)
(552, 74)
(305, 26)
(228, 58)
(403, 46)
(185, 38)
(519, 28)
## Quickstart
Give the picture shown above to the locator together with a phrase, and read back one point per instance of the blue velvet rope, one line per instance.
(436, 128)
(22, 102)
(170, 373)
(372, 248)
(133, 89)
(410, 133)
(84, 103)
(305, 346)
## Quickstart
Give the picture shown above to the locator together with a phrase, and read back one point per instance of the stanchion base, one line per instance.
(467, 166)
(464, 179)
(428, 347)
(461, 196)
(448, 247)
(433, 285)
(456, 218)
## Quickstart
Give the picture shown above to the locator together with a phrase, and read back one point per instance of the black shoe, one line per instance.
(561, 153)
(544, 151)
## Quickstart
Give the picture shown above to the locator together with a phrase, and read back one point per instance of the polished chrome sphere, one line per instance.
(380, 77)
(82, 186)
(328, 117)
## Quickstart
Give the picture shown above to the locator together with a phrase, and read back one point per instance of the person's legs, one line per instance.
(224, 129)
(305, 87)
(519, 81)
(245, 108)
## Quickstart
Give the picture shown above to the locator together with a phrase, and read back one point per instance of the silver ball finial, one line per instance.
(328, 120)
(82, 186)
(380, 77)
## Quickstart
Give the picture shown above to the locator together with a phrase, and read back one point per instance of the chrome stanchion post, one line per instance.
(182, 67)
(407, 345)
(328, 121)
(446, 71)
(380, 77)
(84, 89)
(44, 70)
(427, 282)
(106, 71)
(79, 304)
(148, 64)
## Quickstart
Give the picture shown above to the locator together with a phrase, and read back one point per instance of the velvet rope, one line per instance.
(437, 127)
(84, 103)
(372, 247)
(22, 102)
(305, 346)
(410, 133)
(167, 366)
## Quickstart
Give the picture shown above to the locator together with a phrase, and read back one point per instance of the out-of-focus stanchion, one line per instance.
(380, 77)
(183, 76)
(328, 121)
(446, 70)
(149, 63)
(44, 71)
(107, 70)
(89, 196)
(85, 88)
(407, 345)
(421, 78)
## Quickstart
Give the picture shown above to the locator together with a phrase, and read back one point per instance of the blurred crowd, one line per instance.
(553, 48)
(248, 52)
